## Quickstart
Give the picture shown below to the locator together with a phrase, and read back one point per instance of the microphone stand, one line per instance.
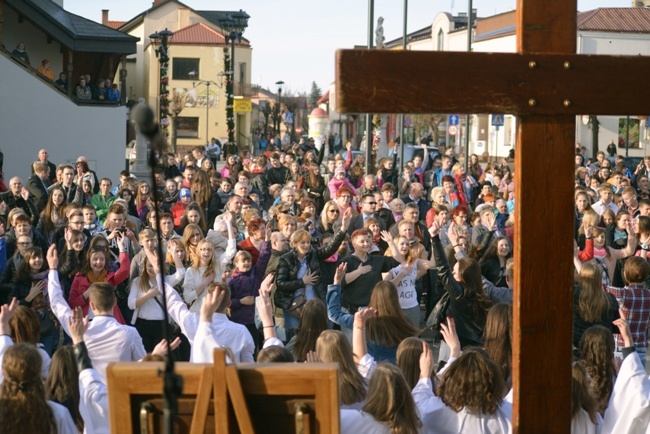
(172, 382)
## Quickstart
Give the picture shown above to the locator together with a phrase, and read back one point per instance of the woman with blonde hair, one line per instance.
(200, 275)
(145, 300)
(142, 194)
(389, 407)
(330, 215)
(192, 234)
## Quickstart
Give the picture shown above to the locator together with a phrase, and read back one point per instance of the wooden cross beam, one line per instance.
(546, 84)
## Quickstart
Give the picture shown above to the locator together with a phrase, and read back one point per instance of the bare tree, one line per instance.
(177, 106)
(429, 123)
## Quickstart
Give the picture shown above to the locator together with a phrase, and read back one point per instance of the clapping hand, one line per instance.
(77, 325)
(450, 336)
(52, 257)
(161, 348)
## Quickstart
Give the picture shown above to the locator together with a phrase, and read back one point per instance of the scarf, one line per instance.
(101, 277)
(333, 258)
(600, 253)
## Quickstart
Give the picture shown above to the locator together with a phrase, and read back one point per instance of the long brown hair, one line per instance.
(408, 360)
(62, 383)
(25, 326)
(597, 357)
(472, 282)
(498, 337)
(473, 382)
(390, 402)
(581, 399)
(313, 322)
(201, 189)
(23, 405)
(390, 326)
(23, 271)
(49, 225)
(592, 301)
(196, 258)
(333, 347)
(315, 179)
(194, 206)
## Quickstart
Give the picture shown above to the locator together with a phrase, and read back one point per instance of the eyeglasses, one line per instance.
(333, 211)
(196, 235)
(24, 244)
(371, 203)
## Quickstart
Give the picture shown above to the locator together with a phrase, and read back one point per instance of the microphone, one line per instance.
(143, 117)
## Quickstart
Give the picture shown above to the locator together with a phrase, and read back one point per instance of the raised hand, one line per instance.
(448, 332)
(589, 230)
(426, 361)
(387, 236)
(267, 285)
(452, 234)
(312, 357)
(340, 273)
(52, 257)
(161, 348)
(211, 303)
(77, 325)
(6, 312)
(364, 314)
(434, 230)
(347, 216)
(24, 193)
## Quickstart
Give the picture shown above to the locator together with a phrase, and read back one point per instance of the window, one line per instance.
(188, 127)
(242, 73)
(181, 68)
(441, 40)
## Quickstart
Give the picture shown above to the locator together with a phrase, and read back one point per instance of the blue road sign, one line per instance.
(497, 120)
(453, 120)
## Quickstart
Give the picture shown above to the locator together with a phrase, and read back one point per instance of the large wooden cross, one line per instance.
(546, 84)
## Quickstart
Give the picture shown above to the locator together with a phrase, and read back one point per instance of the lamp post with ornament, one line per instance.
(161, 40)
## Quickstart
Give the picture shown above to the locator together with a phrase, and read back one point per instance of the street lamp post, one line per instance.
(161, 41)
(234, 26)
(207, 83)
(279, 119)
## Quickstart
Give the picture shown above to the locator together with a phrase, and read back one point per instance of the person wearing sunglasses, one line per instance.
(368, 210)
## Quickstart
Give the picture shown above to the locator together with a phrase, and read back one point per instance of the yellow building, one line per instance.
(196, 56)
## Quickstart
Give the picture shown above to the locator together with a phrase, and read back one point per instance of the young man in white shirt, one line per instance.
(606, 193)
(106, 339)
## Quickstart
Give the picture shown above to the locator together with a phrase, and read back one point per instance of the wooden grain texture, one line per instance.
(544, 165)
(456, 82)
(316, 385)
(542, 314)
(202, 403)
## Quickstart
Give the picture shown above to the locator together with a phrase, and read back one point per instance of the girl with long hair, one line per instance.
(95, 270)
(470, 395)
(389, 407)
(357, 170)
(71, 258)
(493, 262)
(62, 383)
(24, 407)
(584, 413)
(315, 185)
(200, 275)
(387, 172)
(192, 234)
(129, 198)
(333, 347)
(468, 304)
(597, 357)
(474, 167)
(141, 196)
(53, 216)
(498, 339)
(591, 304)
(605, 256)
(145, 299)
(29, 287)
(231, 168)
(313, 321)
(193, 215)
(24, 327)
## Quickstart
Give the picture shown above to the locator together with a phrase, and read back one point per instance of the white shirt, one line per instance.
(106, 339)
(406, 292)
(225, 332)
(193, 279)
(600, 207)
(440, 419)
(149, 309)
(629, 406)
(360, 422)
(93, 402)
(62, 419)
(582, 424)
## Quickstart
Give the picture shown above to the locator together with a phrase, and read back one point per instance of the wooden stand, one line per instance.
(247, 398)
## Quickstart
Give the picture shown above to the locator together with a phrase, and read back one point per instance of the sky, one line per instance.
(295, 40)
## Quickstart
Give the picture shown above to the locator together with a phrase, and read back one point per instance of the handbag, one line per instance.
(296, 305)
(438, 313)
(47, 322)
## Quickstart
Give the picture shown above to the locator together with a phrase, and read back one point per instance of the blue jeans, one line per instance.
(641, 352)
(290, 322)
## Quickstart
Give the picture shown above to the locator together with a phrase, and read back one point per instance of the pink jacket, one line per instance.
(335, 184)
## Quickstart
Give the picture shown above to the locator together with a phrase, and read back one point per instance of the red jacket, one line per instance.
(178, 209)
(80, 284)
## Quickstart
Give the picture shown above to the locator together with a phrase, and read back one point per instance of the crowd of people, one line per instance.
(292, 256)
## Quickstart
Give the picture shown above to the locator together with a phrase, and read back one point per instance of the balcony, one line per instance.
(246, 89)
